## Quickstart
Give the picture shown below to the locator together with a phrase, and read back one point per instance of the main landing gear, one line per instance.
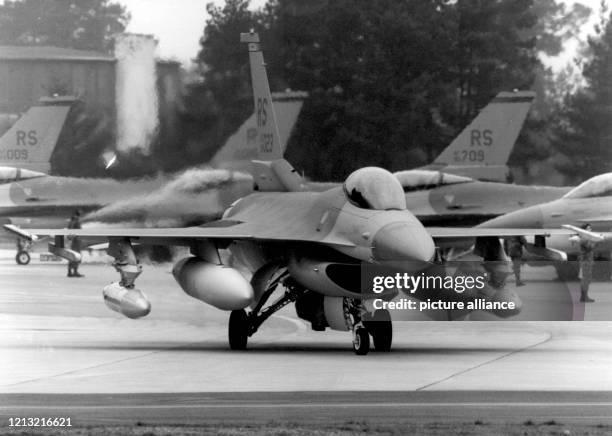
(363, 325)
(242, 325)
(23, 256)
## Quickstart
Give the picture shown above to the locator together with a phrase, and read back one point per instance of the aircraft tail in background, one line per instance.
(29, 143)
(241, 147)
(482, 149)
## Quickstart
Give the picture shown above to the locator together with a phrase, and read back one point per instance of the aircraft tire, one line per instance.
(361, 342)
(22, 257)
(238, 330)
(381, 329)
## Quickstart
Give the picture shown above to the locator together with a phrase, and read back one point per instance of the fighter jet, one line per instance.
(315, 245)
(449, 200)
(589, 202)
(26, 148)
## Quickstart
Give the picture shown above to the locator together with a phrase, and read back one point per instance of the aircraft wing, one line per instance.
(475, 232)
(227, 230)
(586, 234)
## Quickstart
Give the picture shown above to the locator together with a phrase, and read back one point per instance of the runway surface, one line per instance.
(316, 407)
(57, 337)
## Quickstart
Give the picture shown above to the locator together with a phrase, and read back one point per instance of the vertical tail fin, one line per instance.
(270, 171)
(483, 148)
(29, 143)
(241, 147)
(269, 146)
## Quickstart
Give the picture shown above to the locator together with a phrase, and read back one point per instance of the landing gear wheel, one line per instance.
(381, 329)
(22, 258)
(361, 341)
(238, 330)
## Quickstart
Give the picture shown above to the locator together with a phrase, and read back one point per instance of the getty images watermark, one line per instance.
(465, 289)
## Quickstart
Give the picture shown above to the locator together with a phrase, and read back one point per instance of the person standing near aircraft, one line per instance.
(514, 249)
(75, 244)
(586, 258)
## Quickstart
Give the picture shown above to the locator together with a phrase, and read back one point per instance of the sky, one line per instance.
(177, 24)
(179, 28)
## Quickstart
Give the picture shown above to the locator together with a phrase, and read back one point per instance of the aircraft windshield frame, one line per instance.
(598, 186)
(416, 180)
(375, 189)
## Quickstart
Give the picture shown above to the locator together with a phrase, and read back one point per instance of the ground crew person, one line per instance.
(514, 249)
(75, 244)
(587, 259)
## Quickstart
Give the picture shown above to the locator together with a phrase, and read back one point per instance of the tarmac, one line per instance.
(63, 352)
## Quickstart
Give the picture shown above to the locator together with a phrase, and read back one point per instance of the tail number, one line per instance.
(16, 154)
(266, 142)
(469, 156)
(262, 112)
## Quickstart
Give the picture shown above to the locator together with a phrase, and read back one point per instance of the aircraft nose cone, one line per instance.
(402, 242)
(528, 218)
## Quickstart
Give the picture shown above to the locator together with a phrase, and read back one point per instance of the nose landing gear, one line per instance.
(363, 325)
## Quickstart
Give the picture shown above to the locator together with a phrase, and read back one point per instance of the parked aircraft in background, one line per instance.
(437, 198)
(589, 202)
(482, 149)
(26, 147)
(48, 201)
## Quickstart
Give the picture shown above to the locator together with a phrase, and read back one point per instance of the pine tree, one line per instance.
(584, 133)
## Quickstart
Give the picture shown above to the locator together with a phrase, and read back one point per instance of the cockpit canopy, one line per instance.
(598, 186)
(374, 188)
(418, 180)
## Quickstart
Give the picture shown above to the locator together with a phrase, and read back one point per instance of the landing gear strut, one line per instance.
(354, 312)
(242, 325)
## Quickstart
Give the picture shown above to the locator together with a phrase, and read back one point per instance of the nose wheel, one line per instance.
(361, 341)
(380, 327)
(363, 325)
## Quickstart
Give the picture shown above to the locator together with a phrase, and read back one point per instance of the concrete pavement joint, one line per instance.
(480, 365)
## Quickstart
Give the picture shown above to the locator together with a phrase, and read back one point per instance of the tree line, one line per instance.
(390, 82)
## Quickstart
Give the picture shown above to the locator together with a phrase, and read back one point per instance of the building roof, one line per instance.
(12, 52)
